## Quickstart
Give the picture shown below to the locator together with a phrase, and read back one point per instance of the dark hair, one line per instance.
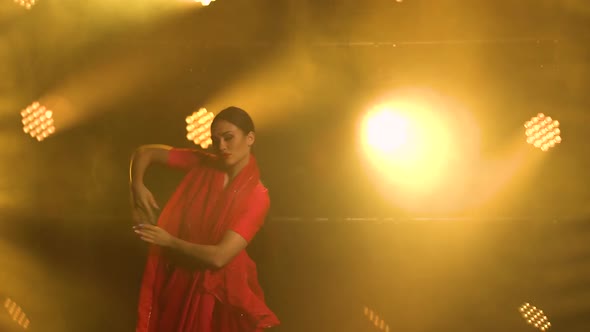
(236, 116)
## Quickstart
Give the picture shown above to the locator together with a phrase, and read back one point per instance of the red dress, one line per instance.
(179, 295)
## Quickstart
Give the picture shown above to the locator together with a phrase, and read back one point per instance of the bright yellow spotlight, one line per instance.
(408, 144)
(419, 148)
(542, 132)
(16, 313)
(198, 127)
(376, 321)
(37, 121)
(28, 4)
(535, 317)
(205, 2)
(386, 131)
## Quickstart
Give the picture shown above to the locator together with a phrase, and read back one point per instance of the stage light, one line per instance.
(37, 121)
(376, 321)
(542, 132)
(205, 2)
(28, 4)
(198, 127)
(16, 313)
(535, 317)
(406, 140)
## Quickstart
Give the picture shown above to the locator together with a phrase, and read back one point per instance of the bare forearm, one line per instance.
(143, 157)
(208, 254)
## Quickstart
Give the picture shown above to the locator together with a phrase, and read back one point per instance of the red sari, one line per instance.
(179, 295)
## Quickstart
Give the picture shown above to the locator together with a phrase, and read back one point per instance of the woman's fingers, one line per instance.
(137, 217)
(147, 230)
(147, 239)
(143, 200)
(147, 227)
(140, 216)
(145, 235)
(153, 203)
(150, 238)
(145, 206)
(149, 233)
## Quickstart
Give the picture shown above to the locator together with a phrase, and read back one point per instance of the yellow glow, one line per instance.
(81, 95)
(38, 121)
(535, 317)
(285, 77)
(542, 132)
(409, 144)
(28, 4)
(199, 127)
(16, 313)
(374, 318)
(386, 131)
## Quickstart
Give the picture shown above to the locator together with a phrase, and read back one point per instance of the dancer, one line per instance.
(198, 276)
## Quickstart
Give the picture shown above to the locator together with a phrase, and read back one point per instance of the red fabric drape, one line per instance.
(176, 293)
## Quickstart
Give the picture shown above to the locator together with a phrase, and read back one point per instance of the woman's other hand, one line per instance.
(154, 235)
(144, 205)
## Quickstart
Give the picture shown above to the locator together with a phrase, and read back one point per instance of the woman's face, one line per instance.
(231, 143)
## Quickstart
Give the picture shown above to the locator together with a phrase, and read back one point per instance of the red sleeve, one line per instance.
(184, 159)
(250, 221)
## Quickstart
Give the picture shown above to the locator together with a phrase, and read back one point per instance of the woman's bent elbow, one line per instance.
(218, 263)
(219, 260)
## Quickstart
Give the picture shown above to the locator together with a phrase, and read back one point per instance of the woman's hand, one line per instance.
(154, 235)
(143, 205)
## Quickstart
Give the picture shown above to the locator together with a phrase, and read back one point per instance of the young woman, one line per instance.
(198, 276)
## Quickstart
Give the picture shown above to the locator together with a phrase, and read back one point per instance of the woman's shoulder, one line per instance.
(258, 196)
(260, 186)
(260, 191)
